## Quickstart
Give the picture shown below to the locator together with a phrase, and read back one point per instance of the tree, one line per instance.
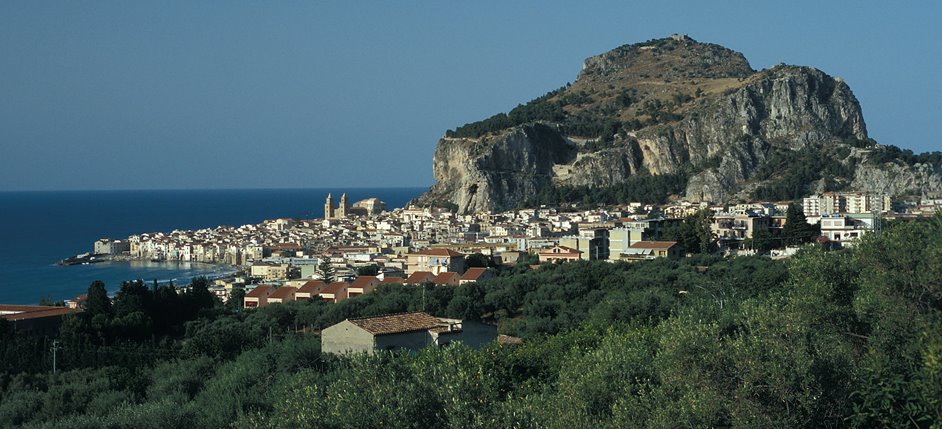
(326, 270)
(476, 260)
(236, 298)
(199, 294)
(797, 230)
(762, 240)
(369, 270)
(694, 233)
(98, 301)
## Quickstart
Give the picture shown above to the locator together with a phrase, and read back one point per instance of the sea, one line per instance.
(37, 229)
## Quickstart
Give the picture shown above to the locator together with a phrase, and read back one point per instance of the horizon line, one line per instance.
(11, 191)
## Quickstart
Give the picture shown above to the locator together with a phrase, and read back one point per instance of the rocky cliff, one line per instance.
(672, 108)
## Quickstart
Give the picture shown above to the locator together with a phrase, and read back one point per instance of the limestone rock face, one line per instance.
(717, 138)
(897, 179)
(499, 171)
(785, 107)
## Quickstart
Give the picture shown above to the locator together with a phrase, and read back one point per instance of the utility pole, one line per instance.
(877, 222)
(55, 347)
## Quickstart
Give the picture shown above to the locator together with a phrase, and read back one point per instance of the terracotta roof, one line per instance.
(567, 249)
(438, 252)
(283, 292)
(23, 312)
(398, 323)
(393, 280)
(444, 330)
(259, 291)
(447, 277)
(364, 282)
(420, 277)
(313, 286)
(653, 244)
(473, 273)
(334, 287)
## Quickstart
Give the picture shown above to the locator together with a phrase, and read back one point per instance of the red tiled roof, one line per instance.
(567, 249)
(23, 312)
(438, 252)
(364, 282)
(473, 273)
(398, 323)
(259, 291)
(313, 286)
(653, 245)
(393, 280)
(420, 277)
(334, 287)
(446, 278)
(282, 292)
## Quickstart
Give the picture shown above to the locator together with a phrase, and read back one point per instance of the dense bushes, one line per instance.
(644, 188)
(790, 173)
(539, 109)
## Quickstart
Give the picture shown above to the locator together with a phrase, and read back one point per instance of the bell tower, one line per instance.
(344, 207)
(329, 207)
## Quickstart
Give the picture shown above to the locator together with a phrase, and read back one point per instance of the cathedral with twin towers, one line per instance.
(365, 207)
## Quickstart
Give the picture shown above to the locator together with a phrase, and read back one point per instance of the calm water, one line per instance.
(39, 228)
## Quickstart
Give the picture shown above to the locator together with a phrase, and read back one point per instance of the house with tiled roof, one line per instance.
(447, 279)
(362, 284)
(420, 277)
(403, 331)
(644, 250)
(435, 261)
(35, 319)
(560, 254)
(397, 280)
(310, 289)
(258, 297)
(282, 295)
(475, 274)
(334, 292)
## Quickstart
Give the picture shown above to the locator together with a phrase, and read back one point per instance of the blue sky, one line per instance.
(188, 94)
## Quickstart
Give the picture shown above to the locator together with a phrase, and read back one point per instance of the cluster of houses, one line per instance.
(336, 291)
(283, 259)
(415, 245)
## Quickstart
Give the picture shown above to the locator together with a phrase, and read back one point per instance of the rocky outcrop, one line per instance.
(497, 171)
(717, 139)
(899, 179)
(785, 107)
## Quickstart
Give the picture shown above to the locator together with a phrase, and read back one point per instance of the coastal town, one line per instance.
(355, 247)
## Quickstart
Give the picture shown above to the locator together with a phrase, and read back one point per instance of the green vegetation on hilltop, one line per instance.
(644, 188)
(538, 109)
(826, 339)
(789, 174)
